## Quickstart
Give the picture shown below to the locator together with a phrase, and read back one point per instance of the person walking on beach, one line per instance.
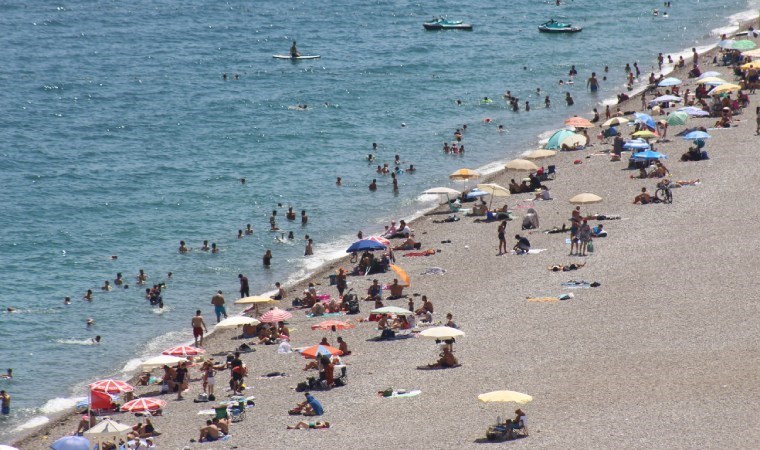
(502, 237)
(199, 325)
(244, 290)
(5, 403)
(218, 302)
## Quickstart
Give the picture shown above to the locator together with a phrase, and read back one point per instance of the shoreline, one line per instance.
(318, 275)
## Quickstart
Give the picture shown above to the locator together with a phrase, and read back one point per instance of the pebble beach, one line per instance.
(663, 354)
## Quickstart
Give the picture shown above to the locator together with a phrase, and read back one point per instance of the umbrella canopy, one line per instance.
(108, 430)
(275, 315)
(475, 193)
(540, 154)
(750, 65)
(585, 199)
(161, 361)
(575, 139)
(752, 53)
(111, 386)
(237, 321)
(615, 121)
(71, 443)
(671, 81)
(713, 81)
(392, 310)
(645, 134)
(637, 144)
(441, 333)
(405, 280)
(380, 239)
(505, 397)
(648, 155)
(313, 351)
(7, 447)
(183, 351)
(522, 165)
(710, 73)
(330, 324)
(555, 141)
(737, 45)
(494, 189)
(646, 119)
(254, 300)
(696, 135)
(442, 191)
(579, 122)
(665, 98)
(677, 118)
(694, 111)
(723, 88)
(464, 174)
(365, 244)
(147, 404)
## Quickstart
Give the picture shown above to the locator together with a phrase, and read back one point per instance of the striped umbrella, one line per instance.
(184, 351)
(329, 324)
(147, 404)
(275, 315)
(312, 352)
(380, 240)
(111, 386)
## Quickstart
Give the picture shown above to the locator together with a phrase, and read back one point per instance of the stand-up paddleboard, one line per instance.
(297, 57)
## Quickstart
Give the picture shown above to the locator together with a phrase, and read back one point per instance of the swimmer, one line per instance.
(8, 375)
(242, 181)
(459, 102)
(397, 161)
(411, 168)
(547, 102)
(339, 182)
(114, 257)
(294, 53)
(240, 234)
(370, 157)
(403, 124)
(214, 248)
(90, 322)
(248, 230)
(66, 300)
(374, 146)
(88, 295)
(96, 340)
(501, 128)
(224, 76)
(290, 215)
(118, 281)
(205, 246)
(106, 286)
(304, 217)
(169, 276)
(10, 309)
(290, 235)
(527, 105)
(569, 99)
(373, 185)
(182, 247)
(236, 76)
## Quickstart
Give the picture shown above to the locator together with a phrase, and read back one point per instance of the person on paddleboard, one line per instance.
(294, 51)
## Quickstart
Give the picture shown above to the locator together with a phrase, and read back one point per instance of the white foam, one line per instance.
(60, 404)
(75, 341)
(131, 365)
(34, 422)
(735, 20)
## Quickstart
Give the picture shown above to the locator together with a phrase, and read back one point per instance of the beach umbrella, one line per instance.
(615, 121)
(665, 98)
(694, 111)
(71, 443)
(710, 73)
(365, 244)
(752, 53)
(750, 65)
(495, 190)
(161, 361)
(183, 351)
(404, 277)
(726, 43)
(147, 404)
(637, 144)
(313, 351)
(442, 191)
(575, 139)
(555, 141)
(275, 315)
(332, 325)
(645, 134)
(677, 118)
(237, 321)
(108, 430)
(254, 300)
(579, 122)
(741, 45)
(585, 199)
(380, 239)
(671, 81)
(475, 193)
(441, 333)
(646, 119)
(392, 310)
(505, 397)
(7, 447)
(696, 135)
(522, 165)
(540, 154)
(111, 386)
(724, 88)
(464, 174)
(712, 81)
(648, 155)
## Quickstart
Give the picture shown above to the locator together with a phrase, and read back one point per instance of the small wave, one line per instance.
(131, 365)
(74, 341)
(60, 404)
(735, 20)
(34, 422)
(162, 310)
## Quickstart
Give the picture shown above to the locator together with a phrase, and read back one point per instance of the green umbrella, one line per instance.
(743, 45)
(677, 118)
(555, 142)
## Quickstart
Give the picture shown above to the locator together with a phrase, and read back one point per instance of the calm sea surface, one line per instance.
(119, 136)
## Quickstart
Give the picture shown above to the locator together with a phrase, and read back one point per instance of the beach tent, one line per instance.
(615, 121)
(530, 220)
(574, 140)
(555, 141)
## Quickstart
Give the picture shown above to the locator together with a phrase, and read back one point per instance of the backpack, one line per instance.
(353, 306)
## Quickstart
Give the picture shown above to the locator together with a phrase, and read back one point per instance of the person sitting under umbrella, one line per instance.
(447, 358)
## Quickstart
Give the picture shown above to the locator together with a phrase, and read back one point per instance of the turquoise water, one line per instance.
(120, 137)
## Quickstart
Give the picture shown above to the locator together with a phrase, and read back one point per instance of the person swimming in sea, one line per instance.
(96, 340)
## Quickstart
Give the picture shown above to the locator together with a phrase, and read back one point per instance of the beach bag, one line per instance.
(388, 392)
(590, 247)
(302, 386)
(211, 397)
(296, 303)
(387, 334)
(353, 306)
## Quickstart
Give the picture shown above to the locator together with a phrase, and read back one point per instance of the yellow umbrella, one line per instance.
(505, 396)
(615, 121)
(522, 165)
(711, 80)
(646, 134)
(495, 190)
(540, 153)
(750, 65)
(572, 141)
(254, 300)
(585, 199)
(405, 280)
(464, 174)
(727, 87)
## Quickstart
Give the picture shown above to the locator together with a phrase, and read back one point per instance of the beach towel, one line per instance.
(434, 271)
(533, 251)
(437, 367)
(311, 316)
(572, 284)
(427, 252)
(551, 299)
(403, 394)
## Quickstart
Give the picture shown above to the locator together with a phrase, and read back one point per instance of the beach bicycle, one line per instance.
(663, 193)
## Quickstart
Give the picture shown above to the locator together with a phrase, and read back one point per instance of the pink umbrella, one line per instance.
(111, 386)
(275, 315)
(380, 239)
(183, 351)
(148, 404)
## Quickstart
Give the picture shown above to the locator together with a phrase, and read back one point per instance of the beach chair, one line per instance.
(237, 412)
(220, 412)
(551, 172)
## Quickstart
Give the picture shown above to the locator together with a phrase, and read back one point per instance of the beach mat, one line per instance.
(438, 368)
(407, 394)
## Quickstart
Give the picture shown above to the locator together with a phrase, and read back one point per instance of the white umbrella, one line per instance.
(107, 431)
(161, 361)
(441, 333)
(237, 321)
(7, 447)
(540, 153)
(495, 190)
(522, 165)
(442, 191)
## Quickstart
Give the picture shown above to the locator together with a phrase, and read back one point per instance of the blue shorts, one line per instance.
(6, 410)
(220, 311)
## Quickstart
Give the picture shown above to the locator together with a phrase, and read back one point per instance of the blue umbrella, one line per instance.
(648, 155)
(637, 144)
(672, 81)
(475, 193)
(647, 120)
(365, 244)
(71, 443)
(710, 74)
(694, 111)
(696, 135)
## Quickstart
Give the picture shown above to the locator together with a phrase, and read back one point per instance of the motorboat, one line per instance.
(552, 26)
(439, 23)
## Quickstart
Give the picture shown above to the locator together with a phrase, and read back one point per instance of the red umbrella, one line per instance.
(111, 386)
(312, 352)
(183, 351)
(329, 324)
(380, 240)
(143, 404)
(275, 315)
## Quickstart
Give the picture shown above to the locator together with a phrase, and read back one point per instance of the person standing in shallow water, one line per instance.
(592, 83)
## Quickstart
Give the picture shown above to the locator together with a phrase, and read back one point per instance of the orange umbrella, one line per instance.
(143, 404)
(579, 122)
(330, 324)
(312, 352)
(405, 280)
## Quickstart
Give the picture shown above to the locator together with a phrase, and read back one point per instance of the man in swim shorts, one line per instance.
(5, 403)
(210, 432)
(593, 83)
(218, 302)
(198, 326)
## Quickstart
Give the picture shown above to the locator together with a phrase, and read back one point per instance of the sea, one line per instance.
(120, 136)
